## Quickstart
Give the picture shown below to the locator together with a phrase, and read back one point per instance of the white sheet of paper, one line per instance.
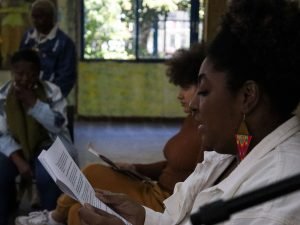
(67, 175)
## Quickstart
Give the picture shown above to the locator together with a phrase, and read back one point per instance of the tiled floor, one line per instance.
(126, 142)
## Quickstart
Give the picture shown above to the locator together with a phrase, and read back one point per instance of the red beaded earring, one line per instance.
(243, 139)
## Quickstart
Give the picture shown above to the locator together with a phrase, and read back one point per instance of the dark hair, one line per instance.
(260, 40)
(183, 67)
(48, 7)
(27, 55)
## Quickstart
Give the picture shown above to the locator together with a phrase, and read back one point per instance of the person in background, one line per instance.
(56, 50)
(248, 91)
(182, 152)
(32, 115)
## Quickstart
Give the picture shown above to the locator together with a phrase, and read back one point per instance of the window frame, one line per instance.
(194, 34)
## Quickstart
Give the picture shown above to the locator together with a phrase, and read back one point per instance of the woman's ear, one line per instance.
(250, 96)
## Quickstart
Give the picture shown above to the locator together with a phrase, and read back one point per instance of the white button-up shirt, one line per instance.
(276, 157)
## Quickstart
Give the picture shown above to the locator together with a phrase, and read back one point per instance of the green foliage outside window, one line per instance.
(110, 26)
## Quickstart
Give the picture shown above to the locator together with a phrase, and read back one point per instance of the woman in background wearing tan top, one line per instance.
(182, 152)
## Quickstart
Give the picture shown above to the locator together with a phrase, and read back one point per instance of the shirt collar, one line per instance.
(35, 35)
(279, 135)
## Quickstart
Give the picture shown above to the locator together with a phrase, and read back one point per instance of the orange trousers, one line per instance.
(105, 178)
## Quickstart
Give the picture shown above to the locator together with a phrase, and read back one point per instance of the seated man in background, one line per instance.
(56, 50)
(32, 114)
(182, 153)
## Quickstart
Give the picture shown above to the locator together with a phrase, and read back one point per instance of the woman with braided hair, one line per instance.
(247, 93)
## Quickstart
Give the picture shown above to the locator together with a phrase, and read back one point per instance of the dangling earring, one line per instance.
(243, 139)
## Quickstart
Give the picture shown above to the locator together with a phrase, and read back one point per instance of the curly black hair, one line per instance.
(183, 67)
(260, 40)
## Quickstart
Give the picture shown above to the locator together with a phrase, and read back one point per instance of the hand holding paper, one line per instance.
(69, 177)
(133, 211)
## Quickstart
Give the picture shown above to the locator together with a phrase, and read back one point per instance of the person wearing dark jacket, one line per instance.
(56, 49)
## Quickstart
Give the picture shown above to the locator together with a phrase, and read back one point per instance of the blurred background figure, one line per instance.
(14, 22)
(56, 50)
(32, 115)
